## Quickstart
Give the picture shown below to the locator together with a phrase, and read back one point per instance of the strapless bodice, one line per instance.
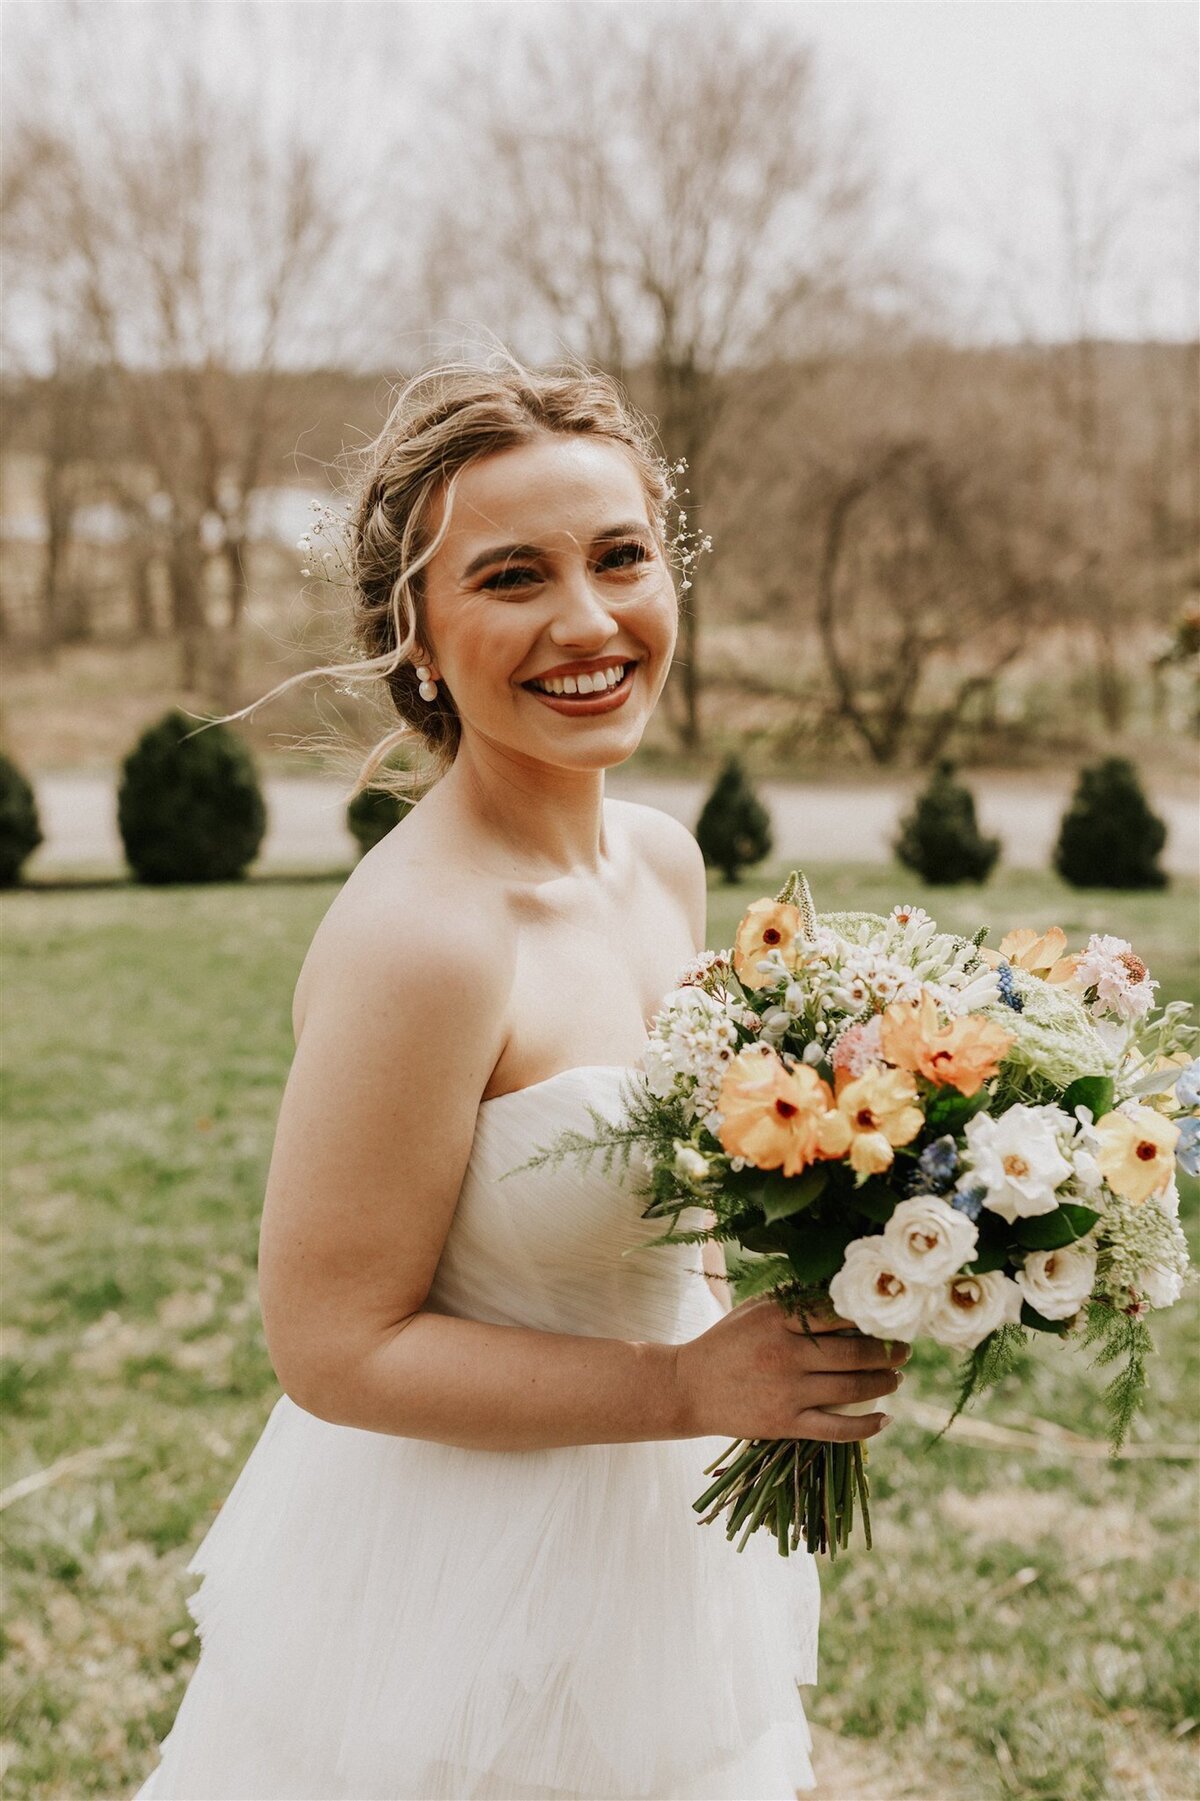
(563, 1247)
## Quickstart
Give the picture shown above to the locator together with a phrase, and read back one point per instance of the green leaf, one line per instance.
(781, 1196)
(989, 1256)
(949, 1111)
(1095, 1092)
(749, 1277)
(874, 1200)
(1051, 1231)
(817, 1252)
(1041, 1324)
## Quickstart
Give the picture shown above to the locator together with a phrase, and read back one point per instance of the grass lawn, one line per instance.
(1025, 1627)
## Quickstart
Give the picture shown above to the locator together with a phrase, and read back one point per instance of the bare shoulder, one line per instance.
(667, 847)
(403, 932)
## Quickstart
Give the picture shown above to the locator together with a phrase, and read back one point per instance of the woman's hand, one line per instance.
(764, 1373)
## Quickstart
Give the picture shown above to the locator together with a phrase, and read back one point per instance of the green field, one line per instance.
(1025, 1626)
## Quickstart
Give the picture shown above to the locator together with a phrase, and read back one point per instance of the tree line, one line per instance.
(219, 310)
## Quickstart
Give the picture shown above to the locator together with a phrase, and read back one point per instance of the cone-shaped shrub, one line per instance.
(734, 828)
(1109, 836)
(940, 839)
(189, 808)
(20, 832)
(372, 814)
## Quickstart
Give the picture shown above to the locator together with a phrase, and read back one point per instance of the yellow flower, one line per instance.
(767, 925)
(874, 1112)
(961, 1054)
(770, 1114)
(1040, 953)
(1137, 1152)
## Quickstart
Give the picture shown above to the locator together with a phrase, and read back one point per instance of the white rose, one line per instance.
(1017, 1159)
(1057, 1283)
(871, 1293)
(1161, 1287)
(929, 1240)
(966, 1308)
(689, 1163)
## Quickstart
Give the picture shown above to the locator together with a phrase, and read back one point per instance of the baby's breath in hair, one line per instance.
(684, 545)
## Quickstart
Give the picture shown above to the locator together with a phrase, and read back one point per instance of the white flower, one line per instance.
(871, 1293)
(928, 1240)
(1161, 1285)
(1017, 1159)
(690, 1163)
(1120, 978)
(690, 1043)
(966, 1308)
(1168, 1198)
(1057, 1283)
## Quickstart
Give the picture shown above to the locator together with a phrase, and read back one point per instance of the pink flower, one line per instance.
(858, 1049)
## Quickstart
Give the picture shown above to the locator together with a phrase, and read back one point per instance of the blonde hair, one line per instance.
(443, 420)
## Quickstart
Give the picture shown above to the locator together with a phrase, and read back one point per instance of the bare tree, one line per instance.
(186, 251)
(663, 191)
(917, 579)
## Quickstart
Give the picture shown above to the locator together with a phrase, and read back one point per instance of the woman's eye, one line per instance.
(515, 576)
(626, 556)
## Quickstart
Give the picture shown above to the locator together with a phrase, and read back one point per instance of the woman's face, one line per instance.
(551, 574)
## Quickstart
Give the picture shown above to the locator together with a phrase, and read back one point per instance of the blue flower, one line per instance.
(1187, 1087)
(969, 1201)
(1008, 991)
(938, 1163)
(1187, 1151)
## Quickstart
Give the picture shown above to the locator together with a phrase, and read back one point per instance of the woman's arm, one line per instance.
(401, 1030)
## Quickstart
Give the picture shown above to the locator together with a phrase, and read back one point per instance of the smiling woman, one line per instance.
(461, 1561)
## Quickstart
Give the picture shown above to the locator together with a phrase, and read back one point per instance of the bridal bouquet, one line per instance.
(930, 1137)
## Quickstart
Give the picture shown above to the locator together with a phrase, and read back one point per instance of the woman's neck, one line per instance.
(549, 819)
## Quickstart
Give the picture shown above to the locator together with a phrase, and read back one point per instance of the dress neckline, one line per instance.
(576, 1069)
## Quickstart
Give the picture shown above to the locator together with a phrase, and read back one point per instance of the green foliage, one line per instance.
(1120, 1335)
(734, 828)
(1051, 1231)
(373, 813)
(940, 839)
(20, 832)
(1109, 836)
(189, 805)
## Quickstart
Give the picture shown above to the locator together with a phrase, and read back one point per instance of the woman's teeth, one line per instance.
(596, 683)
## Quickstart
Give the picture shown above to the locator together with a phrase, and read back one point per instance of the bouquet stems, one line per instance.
(793, 1488)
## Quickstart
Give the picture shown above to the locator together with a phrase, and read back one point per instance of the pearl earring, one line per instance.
(428, 687)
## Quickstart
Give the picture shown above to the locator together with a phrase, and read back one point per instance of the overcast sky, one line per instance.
(972, 101)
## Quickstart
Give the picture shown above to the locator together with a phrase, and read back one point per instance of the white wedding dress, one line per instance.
(382, 1616)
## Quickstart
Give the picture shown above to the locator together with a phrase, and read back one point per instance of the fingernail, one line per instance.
(887, 1419)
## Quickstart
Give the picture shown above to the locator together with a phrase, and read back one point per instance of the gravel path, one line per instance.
(814, 822)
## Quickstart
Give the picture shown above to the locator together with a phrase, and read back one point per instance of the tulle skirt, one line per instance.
(383, 1617)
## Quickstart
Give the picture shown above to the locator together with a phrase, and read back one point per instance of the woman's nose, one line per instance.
(581, 614)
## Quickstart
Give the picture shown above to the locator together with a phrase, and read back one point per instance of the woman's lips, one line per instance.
(604, 702)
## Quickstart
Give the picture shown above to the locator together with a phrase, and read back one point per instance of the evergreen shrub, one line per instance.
(20, 830)
(734, 828)
(1110, 837)
(189, 805)
(372, 814)
(940, 839)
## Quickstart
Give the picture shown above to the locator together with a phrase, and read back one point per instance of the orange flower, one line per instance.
(961, 1054)
(1040, 953)
(874, 1112)
(767, 925)
(770, 1114)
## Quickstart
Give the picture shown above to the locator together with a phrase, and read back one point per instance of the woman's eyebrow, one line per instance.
(507, 553)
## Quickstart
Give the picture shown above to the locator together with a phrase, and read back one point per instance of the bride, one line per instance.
(461, 1560)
